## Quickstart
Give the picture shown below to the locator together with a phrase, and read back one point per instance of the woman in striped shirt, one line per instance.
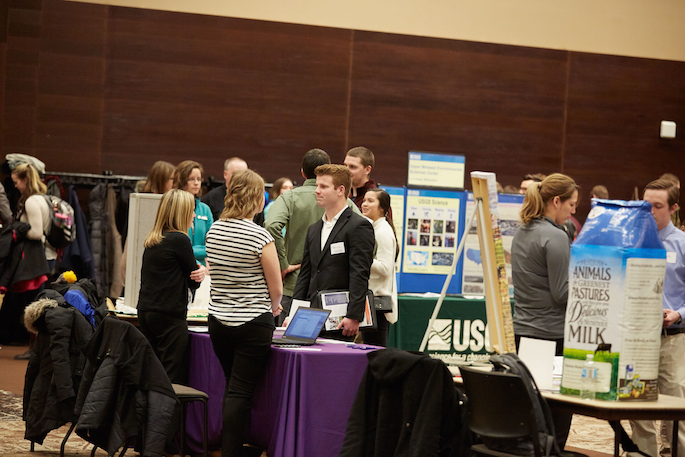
(245, 296)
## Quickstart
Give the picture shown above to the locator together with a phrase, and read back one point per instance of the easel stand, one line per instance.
(498, 305)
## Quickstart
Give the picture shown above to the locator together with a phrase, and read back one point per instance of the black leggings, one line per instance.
(242, 352)
(168, 337)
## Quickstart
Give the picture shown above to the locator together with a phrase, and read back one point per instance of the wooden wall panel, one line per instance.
(615, 108)
(91, 87)
(71, 86)
(22, 57)
(500, 106)
(207, 88)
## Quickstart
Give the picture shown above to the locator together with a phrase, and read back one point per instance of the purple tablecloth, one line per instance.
(300, 406)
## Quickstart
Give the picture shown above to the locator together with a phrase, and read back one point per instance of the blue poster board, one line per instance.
(433, 227)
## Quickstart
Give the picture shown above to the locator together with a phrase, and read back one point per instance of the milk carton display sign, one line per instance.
(614, 310)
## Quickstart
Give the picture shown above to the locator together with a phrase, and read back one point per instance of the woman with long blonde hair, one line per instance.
(245, 296)
(540, 255)
(34, 210)
(168, 274)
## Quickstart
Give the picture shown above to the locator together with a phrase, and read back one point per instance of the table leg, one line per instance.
(616, 425)
(674, 440)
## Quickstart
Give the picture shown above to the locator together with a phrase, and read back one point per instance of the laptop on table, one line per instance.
(304, 327)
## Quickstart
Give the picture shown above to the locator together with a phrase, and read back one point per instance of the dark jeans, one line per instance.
(168, 337)
(242, 352)
(561, 419)
(378, 337)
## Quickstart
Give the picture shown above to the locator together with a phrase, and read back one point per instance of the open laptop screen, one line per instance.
(306, 323)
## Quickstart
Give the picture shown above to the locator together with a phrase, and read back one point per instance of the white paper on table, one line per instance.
(538, 355)
(201, 300)
(198, 329)
(293, 309)
(297, 304)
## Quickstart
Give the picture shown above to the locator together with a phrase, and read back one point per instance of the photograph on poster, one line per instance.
(436, 214)
(442, 258)
(412, 224)
(411, 238)
(417, 258)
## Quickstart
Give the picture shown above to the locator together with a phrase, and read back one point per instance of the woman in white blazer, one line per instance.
(376, 207)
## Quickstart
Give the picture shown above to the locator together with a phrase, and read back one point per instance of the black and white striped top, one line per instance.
(234, 250)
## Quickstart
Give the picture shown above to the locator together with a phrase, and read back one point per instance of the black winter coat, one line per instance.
(406, 406)
(55, 367)
(124, 388)
(21, 259)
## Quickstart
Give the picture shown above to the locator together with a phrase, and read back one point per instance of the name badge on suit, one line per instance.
(338, 248)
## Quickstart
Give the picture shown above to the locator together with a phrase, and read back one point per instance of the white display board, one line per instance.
(141, 218)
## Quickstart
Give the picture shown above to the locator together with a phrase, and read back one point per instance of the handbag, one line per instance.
(382, 303)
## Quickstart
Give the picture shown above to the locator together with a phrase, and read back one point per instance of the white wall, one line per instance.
(637, 28)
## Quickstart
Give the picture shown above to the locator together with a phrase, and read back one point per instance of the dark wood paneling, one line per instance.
(91, 87)
(22, 58)
(207, 88)
(71, 80)
(500, 106)
(615, 108)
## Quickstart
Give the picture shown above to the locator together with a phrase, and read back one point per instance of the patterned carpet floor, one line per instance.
(586, 433)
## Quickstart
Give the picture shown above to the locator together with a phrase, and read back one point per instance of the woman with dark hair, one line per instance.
(168, 273)
(246, 290)
(281, 185)
(540, 255)
(188, 177)
(376, 207)
(160, 179)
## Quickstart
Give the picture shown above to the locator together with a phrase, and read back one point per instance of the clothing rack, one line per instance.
(92, 179)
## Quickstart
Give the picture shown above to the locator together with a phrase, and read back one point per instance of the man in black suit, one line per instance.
(338, 250)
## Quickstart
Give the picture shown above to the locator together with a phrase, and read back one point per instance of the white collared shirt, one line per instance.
(328, 226)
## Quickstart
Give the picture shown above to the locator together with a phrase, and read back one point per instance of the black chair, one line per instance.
(187, 395)
(499, 408)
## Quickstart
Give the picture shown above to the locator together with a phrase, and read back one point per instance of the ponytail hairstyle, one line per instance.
(539, 195)
(384, 203)
(33, 183)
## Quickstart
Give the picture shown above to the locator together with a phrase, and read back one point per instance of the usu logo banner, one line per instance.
(457, 340)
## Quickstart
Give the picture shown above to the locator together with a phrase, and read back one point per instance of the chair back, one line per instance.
(499, 407)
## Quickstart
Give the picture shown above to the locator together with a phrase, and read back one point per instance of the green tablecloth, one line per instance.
(460, 327)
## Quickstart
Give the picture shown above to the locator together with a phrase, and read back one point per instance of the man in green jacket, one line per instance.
(296, 210)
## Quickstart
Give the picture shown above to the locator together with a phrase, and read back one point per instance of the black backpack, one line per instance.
(510, 363)
(62, 228)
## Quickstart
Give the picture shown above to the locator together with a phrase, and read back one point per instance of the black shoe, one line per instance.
(25, 356)
(250, 451)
